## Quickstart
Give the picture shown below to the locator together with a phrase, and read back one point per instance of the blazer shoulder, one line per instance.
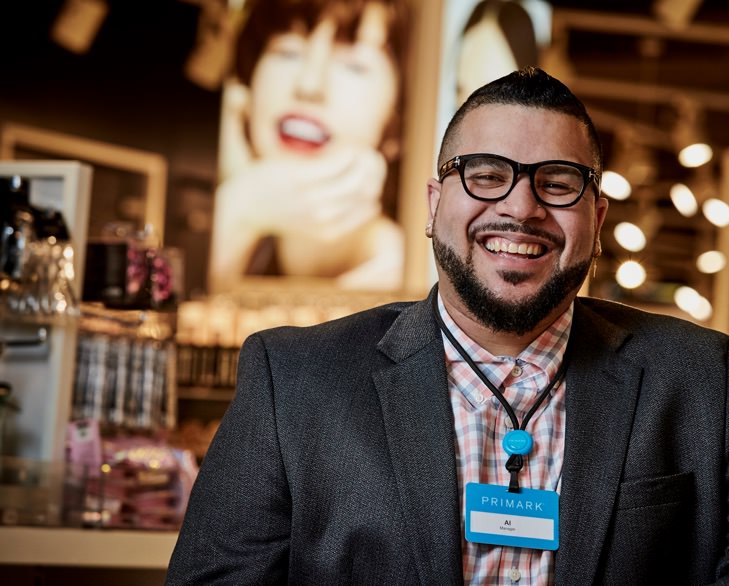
(639, 321)
(357, 328)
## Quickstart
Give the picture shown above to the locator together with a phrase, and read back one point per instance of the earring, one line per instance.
(595, 255)
(429, 230)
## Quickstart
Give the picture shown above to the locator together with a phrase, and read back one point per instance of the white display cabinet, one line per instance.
(42, 380)
(41, 374)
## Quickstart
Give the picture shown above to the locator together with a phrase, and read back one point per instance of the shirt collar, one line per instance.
(546, 352)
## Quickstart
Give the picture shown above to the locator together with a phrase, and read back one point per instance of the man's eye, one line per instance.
(556, 188)
(486, 178)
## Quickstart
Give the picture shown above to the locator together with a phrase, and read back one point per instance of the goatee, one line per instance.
(495, 313)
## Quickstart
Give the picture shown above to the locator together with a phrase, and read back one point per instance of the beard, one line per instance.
(495, 313)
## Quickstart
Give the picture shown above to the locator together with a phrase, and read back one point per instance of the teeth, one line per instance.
(303, 130)
(495, 245)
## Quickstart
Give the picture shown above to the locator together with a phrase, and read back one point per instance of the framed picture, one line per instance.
(313, 145)
(128, 185)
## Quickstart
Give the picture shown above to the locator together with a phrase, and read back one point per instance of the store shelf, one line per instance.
(86, 547)
(205, 394)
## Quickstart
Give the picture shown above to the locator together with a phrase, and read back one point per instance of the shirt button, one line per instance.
(508, 424)
(479, 398)
(517, 370)
(515, 575)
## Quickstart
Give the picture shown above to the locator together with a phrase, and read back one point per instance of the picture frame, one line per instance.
(127, 184)
(262, 248)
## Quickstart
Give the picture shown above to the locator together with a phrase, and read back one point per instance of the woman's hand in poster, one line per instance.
(322, 198)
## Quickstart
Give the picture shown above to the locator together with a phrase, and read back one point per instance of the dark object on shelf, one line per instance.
(123, 274)
(105, 277)
(17, 229)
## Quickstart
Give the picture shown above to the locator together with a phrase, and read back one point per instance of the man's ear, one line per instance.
(433, 197)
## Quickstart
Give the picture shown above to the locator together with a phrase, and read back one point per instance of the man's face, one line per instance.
(514, 265)
(310, 92)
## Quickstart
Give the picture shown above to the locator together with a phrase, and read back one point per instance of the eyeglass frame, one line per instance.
(458, 163)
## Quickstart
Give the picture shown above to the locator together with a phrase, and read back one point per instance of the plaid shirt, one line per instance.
(480, 425)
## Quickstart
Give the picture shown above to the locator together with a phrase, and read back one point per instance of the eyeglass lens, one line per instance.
(492, 178)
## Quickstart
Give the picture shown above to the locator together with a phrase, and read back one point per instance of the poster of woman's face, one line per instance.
(309, 145)
(483, 40)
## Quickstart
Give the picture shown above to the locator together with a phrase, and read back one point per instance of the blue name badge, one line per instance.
(529, 518)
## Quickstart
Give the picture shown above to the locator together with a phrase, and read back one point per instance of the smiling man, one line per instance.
(501, 431)
(514, 265)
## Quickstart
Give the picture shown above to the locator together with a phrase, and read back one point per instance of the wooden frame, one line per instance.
(413, 163)
(17, 140)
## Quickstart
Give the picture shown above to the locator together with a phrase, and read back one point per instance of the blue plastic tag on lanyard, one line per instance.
(528, 518)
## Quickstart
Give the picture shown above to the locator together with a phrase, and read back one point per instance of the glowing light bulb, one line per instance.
(695, 155)
(684, 200)
(711, 262)
(686, 298)
(630, 274)
(630, 236)
(716, 211)
(615, 185)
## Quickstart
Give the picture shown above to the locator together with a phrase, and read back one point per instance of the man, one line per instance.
(501, 431)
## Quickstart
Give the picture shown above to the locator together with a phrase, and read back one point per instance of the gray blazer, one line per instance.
(335, 461)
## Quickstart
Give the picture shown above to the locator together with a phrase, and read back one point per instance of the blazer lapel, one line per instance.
(417, 414)
(602, 392)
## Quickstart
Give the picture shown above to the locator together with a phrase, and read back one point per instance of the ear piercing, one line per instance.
(429, 230)
(598, 249)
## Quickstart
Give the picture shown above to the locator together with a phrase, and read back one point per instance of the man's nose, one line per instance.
(521, 203)
(312, 78)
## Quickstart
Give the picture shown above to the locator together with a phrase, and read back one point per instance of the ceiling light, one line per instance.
(630, 274)
(689, 135)
(676, 14)
(711, 261)
(630, 236)
(716, 211)
(684, 200)
(689, 300)
(703, 310)
(686, 298)
(78, 24)
(695, 154)
(632, 164)
(615, 185)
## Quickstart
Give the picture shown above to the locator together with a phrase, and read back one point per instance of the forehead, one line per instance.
(524, 133)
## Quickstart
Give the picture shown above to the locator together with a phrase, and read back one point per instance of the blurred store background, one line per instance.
(139, 346)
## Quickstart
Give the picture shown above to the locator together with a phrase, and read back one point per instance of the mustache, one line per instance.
(515, 228)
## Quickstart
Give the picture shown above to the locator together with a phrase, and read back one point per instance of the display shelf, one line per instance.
(41, 375)
(86, 547)
(224, 395)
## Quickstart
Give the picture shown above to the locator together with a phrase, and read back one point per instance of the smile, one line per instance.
(301, 132)
(501, 245)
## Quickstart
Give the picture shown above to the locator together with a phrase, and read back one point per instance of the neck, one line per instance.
(496, 342)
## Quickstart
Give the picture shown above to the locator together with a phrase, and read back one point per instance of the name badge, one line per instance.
(529, 518)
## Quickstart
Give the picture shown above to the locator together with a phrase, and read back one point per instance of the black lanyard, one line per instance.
(516, 461)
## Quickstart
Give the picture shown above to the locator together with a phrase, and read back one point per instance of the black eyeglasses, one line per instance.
(488, 177)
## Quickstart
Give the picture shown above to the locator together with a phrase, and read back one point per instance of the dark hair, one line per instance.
(532, 87)
(267, 18)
